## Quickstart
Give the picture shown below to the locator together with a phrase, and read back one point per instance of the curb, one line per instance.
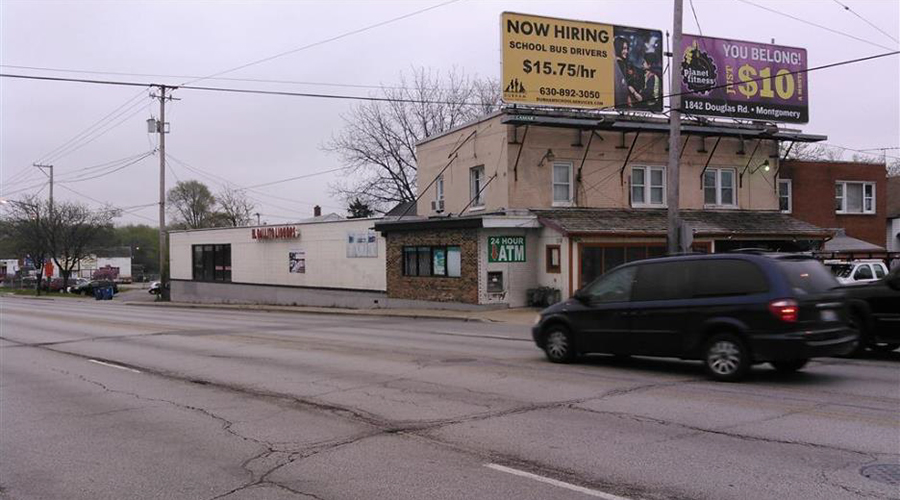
(335, 311)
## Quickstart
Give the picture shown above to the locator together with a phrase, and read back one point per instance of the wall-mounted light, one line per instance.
(764, 166)
(548, 156)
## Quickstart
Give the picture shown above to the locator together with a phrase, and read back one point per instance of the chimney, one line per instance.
(317, 211)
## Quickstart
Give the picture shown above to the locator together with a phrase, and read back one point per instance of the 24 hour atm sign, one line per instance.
(506, 249)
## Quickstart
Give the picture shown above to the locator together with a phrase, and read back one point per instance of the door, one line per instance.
(602, 324)
(660, 308)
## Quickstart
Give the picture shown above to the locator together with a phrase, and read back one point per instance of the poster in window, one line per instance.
(297, 262)
(439, 255)
(362, 244)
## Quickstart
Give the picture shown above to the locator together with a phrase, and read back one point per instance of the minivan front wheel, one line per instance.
(558, 345)
(726, 358)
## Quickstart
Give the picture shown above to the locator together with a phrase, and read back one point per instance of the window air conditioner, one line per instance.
(437, 206)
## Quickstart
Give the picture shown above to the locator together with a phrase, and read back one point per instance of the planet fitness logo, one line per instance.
(698, 71)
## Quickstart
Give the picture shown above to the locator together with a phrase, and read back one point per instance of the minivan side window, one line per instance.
(879, 270)
(611, 287)
(727, 278)
(662, 281)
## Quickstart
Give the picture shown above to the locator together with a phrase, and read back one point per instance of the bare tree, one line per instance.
(191, 204)
(378, 141)
(806, 151)
(26, 226)
(74, 230)
(235, 207)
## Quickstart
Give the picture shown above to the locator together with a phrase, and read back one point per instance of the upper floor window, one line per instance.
(718, 187)
(476, 185)
(212, 262)
(785, 203)
(563, 187)
(648, 186)
(854, 197)
(439, 188)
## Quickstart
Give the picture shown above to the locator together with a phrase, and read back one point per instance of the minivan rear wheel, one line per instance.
(789, 365)
(726, 358)
(558, 345)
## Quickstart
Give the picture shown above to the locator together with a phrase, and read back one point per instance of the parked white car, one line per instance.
(858, 271)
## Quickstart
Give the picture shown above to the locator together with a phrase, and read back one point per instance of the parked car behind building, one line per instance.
(858, 271)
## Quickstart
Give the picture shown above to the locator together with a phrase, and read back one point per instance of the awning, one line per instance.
(653, 222)
(843, 243)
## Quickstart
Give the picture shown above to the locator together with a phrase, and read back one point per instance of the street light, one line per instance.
(4, 201)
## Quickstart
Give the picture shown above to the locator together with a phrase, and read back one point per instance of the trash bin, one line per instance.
(98, 292)
(108, 293)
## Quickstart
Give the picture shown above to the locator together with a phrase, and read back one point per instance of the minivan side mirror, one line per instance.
(580, 295)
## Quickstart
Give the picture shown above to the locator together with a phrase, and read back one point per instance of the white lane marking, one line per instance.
(554, 482)
(113, 366)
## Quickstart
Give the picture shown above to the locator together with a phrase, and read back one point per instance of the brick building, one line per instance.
(840, 195)
(525, 198)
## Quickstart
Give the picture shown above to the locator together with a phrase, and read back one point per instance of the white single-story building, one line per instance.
(324, 261)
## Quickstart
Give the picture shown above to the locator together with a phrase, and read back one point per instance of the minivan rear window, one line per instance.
(807, 276)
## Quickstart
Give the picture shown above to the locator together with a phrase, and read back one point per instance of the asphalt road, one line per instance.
(107, 400)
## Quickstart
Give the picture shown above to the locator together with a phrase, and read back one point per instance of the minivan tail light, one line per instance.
(785, 310)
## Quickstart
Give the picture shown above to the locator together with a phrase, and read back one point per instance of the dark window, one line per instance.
(613, 287)
(725, 277)
(663, 281)
(211, 262)
(495, 281)
(807, 275)
(432, 261)
(597, 260)
(553, 259)
(863, 272)
(424, 261)
(635, 253)
(879, 271)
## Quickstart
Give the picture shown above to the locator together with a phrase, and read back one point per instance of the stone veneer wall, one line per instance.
(435, 288)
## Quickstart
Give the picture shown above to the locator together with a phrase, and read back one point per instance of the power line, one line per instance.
(327, 40)
(804, 21)
(848, 9)
(104, 174)
(252, 80)
(104, 203)
(410, 101)
(49, 156)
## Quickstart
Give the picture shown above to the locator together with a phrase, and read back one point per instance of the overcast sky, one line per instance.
(251, 139)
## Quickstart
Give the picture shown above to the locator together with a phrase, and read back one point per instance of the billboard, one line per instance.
(562, 62)
(747, 80)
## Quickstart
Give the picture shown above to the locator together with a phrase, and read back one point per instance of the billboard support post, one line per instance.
(672, 176)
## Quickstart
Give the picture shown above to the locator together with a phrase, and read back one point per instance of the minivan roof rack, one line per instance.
(752, 250)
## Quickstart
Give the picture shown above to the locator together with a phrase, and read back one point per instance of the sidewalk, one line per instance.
(515, 316)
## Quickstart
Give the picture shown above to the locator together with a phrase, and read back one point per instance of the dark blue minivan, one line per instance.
(729, 310)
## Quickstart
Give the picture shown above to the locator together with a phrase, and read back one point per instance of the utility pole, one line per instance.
(672, 176)
(50, 168)
(163, 248)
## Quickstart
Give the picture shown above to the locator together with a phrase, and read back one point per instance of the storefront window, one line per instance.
(432, 261)
(211, 262)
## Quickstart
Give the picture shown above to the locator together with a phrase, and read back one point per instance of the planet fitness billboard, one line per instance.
(747, 80)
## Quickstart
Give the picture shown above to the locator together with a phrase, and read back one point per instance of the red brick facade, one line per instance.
(434, 288)
(813, 198)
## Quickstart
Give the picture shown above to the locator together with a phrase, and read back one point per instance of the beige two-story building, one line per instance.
(525, 199)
